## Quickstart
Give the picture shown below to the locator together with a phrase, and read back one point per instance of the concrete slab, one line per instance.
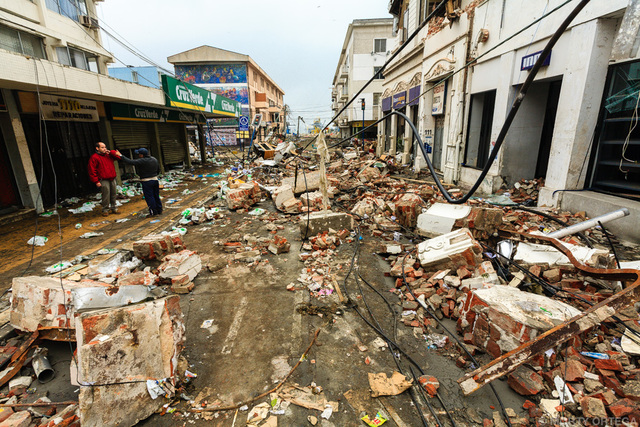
(184, 262)
(312, 182)
(451, 250)
(501, 318)
(318, 222)
(439, 219)
(128, 344)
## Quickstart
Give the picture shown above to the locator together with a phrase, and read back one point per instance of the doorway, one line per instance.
(547, 128)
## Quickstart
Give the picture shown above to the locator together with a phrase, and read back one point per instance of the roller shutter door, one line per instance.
(130, 135)
(171, 142)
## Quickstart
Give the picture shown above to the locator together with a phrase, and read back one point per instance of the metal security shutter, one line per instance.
(130, 135)
(171, 143)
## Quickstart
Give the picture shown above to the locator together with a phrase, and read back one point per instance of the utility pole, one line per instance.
(362, 102)
(299, 118)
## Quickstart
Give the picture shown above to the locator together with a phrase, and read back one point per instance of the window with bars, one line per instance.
(21, 42)
(78, 58)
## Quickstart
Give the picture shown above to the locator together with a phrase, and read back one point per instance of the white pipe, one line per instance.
(584, 225)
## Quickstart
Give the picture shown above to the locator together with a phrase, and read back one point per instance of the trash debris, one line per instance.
(37, 241)
(378, 420)
(382, 385)
(91, 234)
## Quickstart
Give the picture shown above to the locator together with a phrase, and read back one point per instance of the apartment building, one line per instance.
(364, 51)
(235, 76)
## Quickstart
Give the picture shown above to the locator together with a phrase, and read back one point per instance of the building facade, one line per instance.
(146, 76)
(364, 51)
(574, 126)
(235, 76)
(57, 100)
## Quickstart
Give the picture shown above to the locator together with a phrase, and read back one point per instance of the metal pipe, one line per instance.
(42, 366)
(590, 223)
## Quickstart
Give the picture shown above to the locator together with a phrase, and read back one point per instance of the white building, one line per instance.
(573, 128)
(364, 51)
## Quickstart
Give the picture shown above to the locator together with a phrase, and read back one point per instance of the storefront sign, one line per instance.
(139, 113)
(184, 95)
(414, 95)
(529, 61)
(399, 100)
(386, 104)
(437, 107)
(62, 108)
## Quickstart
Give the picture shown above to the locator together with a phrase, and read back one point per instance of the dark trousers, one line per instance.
(151, 191)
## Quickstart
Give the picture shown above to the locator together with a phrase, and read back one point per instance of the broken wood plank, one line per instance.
(18, 359)
(563, 332)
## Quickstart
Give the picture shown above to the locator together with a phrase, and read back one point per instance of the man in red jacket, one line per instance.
(102, 173)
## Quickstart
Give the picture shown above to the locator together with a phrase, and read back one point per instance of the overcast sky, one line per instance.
(297, 42)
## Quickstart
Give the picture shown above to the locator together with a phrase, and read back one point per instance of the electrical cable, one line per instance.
(468, 64)
(455, 337)
(508, 120)
(382, 68)
(613, 248)
(379, 328)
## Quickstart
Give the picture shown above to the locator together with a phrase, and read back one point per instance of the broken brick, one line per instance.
(525, 381)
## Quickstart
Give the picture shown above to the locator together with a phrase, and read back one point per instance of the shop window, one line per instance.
(479, 129)
(376, 75)
(69, 8)
(77, 58)
(21, 42)
(380, 45)
(615, 164)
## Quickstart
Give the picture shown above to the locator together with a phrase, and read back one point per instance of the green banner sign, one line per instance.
(139, 113)
(184, 95)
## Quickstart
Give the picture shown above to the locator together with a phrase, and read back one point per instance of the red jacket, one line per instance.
(101, 166)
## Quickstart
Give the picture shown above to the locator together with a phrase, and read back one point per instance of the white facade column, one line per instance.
(381, 133)
(578, 108)
(407, 137)
(394, 130)
(19, 156)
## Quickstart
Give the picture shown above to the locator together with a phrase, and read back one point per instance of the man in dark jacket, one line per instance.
(102, 173)
(148, 169)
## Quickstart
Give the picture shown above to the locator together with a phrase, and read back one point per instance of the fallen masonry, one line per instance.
(554, 320)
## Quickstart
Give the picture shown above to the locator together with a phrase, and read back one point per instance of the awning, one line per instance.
(386, 104)
(414, 95)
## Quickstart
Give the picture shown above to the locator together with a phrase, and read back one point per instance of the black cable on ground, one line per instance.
(378, 329)
(394, 342)
(455, 337)
(613, 248)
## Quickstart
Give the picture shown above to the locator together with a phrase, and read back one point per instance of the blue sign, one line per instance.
(399, 100)
(529, 61)
(243, 123)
